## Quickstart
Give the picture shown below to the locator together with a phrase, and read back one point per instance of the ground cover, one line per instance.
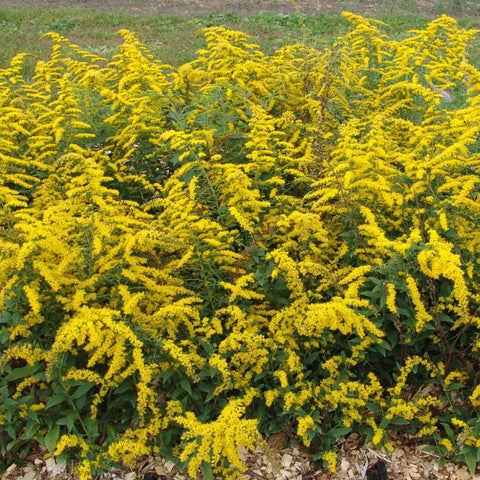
(169, 28)
(155, 219)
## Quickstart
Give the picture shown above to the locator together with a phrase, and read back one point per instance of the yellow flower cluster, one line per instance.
(331, 459)
(305, 424)
(422, 316)
(218, 440)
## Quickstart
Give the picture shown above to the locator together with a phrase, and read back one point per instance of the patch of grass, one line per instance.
(435, 8)
(172, 38)
(62, 26)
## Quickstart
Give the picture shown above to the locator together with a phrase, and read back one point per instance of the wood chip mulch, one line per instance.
(356, 461)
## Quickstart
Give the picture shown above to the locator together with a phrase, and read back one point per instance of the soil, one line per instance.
(430, 8)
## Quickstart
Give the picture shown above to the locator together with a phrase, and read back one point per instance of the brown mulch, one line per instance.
(408, 461)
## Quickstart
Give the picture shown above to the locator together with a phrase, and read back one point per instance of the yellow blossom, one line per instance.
(304, 424)
(445, 442)
(331, 460)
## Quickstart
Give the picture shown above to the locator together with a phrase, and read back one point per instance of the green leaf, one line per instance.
(448, 430)
(91, 425)
(31, 429)
(51, 438)
(81, 402)
(55, 400)
(123, 387)
(208, 372)
(399, 421)
(385, 345)
(392, 337)
(443, 317)
(454, 386)
(205, 387)
(207, 471)
(167, 374)
(68, 420)
(471, 461)
(185, 384)
(12, 432)
(339, 431)
(21, 372)
(82, 390)
(13, 444)
(32, 415)
(383, 302)
(210, 396)
(4, 335)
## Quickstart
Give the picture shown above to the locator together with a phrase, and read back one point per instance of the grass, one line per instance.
(172, 39)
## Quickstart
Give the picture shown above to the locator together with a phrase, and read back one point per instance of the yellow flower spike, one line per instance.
(391, 294)
(218, 439)
(271, 396)
(445, 442)
(282, 377)
(422, 316)
(331, 460)
(378, 432)
(25, 352)
(239, 290)
(475, 396)
(304, 425)
(459, 423)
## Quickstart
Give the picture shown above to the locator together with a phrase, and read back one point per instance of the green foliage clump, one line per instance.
(194, 259)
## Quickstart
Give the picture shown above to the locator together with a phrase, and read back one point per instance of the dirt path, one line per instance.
(431, 8)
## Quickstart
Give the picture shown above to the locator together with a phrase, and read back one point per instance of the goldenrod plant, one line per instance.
(194, 259)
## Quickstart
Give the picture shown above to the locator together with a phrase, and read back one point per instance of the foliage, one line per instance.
(194, 259)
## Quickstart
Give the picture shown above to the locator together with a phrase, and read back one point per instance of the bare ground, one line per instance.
(433, 8)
